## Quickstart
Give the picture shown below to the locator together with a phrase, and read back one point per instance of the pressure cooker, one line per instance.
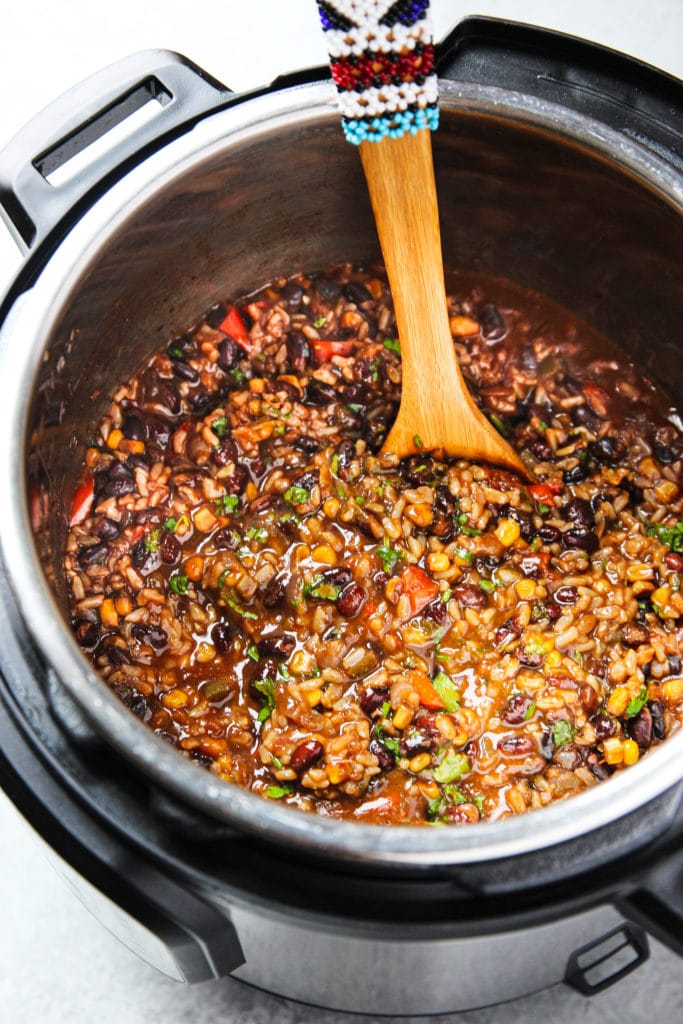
(559, 164)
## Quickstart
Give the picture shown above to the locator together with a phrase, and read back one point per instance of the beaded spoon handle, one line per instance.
(382, 59)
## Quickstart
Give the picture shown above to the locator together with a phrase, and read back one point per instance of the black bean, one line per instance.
(159, 431)
(216, 316)
(674, 665)
(541, 450)
(119, 480)
(658, 719)
(635, 634)
(584, 416)
(140, 707)
(517, 709)
(152, 635)
(225, 452)
(579, 511)
(228, 355)
(351, 600)
(531, 659)
(547, 745)
(372, 700)
(237, 481)
(273, 592)
(356, 292)
(566, 595)
(306, 755)
(486, 565)
(515, 745)
(186, 372)
(307, 445)
(145, 516)
(553, 611)
(469, 596)
(169, 548)
(640, 728)
(418, 469)
(107, 529)
(507, 630)
(607, 450)
(576, 474)
(339, 577)
(548, 534)
(436, 611)
(292, 294)
(298, 351)
(327, 290)
(318, 393)
(596, 766)
(133, 427)
(113, 653)
(664, 454)
(588, 698)
(582, 539)
(604, 725)
(276, 646)
(221, 637)
(96, 554)
(87, 633)
(162, 393)
(415, 742)
(567, 757)
(492, 325)
(144, 559)
(385, 758)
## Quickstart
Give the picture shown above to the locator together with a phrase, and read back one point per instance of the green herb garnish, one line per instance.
(334, 464)
(253, 653)
(488, 586)
(256, 533)
(672, 536)
(277, 792)
(152, 541)
(321, 588)
(232, 601)
(417, 441)
(266, 690)
(179, 583)
(226, 504)
(563, 732)
(319, 322)
(389, 556)
(297, 495)
(447, 690)
(219, 426)
(452, 766)
(461, 520)
(636, 704)
(393, 345)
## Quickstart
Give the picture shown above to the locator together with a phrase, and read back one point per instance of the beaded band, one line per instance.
(382, 62)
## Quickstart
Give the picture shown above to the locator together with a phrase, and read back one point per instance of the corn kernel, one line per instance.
(250, 491)
(463, 326)
(302, 663)
(257, 385)
(666, 491)
(205, 652)
(194, 567)
(672, 690)
(553, 659)
(331, 507)
(334, 773)
(314, 697)
(631, 752)
(649, 468)
(507, 531)
(175, 699)
(114, 438)
(420, 514)
(419, 762)
(661, 596)
(618, 701)
(131, 447)
(204, 520)
(123, 604)
(438, 561)
(108, 614)
(430, 789)
(325, 554)
(403, 716)
(613, 750)
(525, 589)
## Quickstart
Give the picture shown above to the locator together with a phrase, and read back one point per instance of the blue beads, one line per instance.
(391, 126)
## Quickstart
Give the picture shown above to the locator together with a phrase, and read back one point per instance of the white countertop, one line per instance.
(57, 964)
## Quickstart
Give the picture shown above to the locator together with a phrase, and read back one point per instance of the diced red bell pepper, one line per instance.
(544, 493)
(324, 350)
(82, 502)
(234, 325)
(429, 696)
(420, 588)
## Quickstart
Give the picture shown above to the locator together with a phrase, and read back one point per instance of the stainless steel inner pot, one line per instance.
(528, 190)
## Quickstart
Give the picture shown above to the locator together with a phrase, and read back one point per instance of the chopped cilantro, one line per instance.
(451, 767)
(447, 690)
(447, 594)
(277, 764)
(417, 441)
(385, 708)
(563, 732)
(319, 322)
(253, 653)
(467, 556)
(542, 509)
(389, 556)
(179, 583)
(238, 376)
(175, 352)
(266, 690)
(529, 711)
(219, 426)
(360, 500)
(636, 704)
(321, 588)
(297, 495)
(672, 536)
(334, 465)
(227, 503)
(277, 792)
(152, 541)
(543, 425)
(232, 601)
(461, 520)
(354, 406)
(341, 493)
(393, 345)
(488, 586)
(256, 533)
(171, 524)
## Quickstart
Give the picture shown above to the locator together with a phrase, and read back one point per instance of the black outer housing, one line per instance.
(144, 849)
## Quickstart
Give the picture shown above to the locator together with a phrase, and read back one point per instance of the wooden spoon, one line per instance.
(436, 410)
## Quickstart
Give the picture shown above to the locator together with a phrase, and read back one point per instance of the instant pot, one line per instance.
(559, 165)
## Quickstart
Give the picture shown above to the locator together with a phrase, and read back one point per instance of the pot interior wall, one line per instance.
(515, 201)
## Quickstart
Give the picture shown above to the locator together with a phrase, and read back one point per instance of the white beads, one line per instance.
(388, 98)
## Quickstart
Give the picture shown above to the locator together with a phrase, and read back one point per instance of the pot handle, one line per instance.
(635, 98)
(656, 903)
(36, 191)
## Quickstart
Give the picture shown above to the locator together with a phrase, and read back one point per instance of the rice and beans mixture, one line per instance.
(389, 641)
